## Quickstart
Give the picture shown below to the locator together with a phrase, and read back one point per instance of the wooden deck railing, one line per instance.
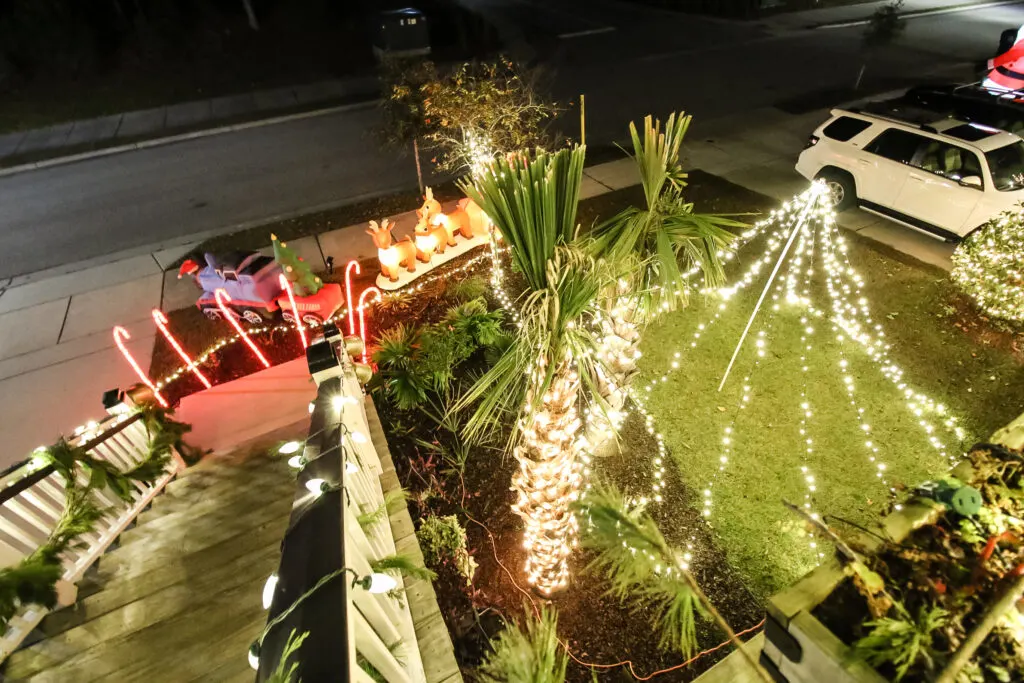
(32, 500)
(352, 632)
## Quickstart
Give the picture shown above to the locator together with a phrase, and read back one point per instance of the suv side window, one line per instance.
(946, 160)
(896, 144)
(845, 128)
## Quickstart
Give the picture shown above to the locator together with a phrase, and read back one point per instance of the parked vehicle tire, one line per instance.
(842, 188)
(288, 317)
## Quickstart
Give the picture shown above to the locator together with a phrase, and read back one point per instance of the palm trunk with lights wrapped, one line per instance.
(549, 478)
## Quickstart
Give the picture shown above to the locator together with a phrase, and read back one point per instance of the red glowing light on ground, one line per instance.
(287, 286)
(120, 336)
(362, 321)
(223, 298)
(348, 293)
(161, 322)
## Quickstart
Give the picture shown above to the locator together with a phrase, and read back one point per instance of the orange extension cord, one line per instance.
(626, 662)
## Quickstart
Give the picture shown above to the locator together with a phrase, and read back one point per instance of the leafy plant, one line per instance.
(901, 640)
(640, 566)
(397, 359)
(482, 111)
(986, 266)
(466, 289)
(529, 655)
(284, 671)
(403, 109)
(665, 234)
(393, 501)
(472, 319)
(404, 565)
(443, 540)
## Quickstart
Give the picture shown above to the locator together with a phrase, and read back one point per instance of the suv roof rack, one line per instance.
(901, 112)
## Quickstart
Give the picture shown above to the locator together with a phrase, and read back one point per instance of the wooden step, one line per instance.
(231, 496)
(184, 493)
(247, 512)
(126, 653)
(208, 476)
(209, 566)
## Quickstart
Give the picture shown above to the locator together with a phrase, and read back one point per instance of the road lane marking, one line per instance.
(586, 32)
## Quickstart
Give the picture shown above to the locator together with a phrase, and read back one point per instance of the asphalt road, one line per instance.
(628, 63)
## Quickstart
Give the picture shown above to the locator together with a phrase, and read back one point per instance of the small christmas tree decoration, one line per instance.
(304, 282)
(989, 266)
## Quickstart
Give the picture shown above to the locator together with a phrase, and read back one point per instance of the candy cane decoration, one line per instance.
(161, 322)
(223, 298)
(348, 294)
(362, 321)
(120, 335)
(287, 286)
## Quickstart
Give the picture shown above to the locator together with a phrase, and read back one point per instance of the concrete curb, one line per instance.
(919, 13)
(182, 137)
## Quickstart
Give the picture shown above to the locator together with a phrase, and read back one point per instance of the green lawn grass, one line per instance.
(937, 344)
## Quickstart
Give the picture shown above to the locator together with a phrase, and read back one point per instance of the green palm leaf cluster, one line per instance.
(532, 201)
(665, 234)
(642, 569)
(530, 655)
(902, 641)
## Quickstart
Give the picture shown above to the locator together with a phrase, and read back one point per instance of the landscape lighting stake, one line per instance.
(814, 192)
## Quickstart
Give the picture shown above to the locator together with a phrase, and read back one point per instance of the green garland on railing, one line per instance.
(34, 579)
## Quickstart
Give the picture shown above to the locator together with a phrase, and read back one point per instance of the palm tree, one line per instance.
(670, 241)
(532, 202)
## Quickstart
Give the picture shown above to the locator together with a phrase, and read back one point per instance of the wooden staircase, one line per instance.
(179, 599)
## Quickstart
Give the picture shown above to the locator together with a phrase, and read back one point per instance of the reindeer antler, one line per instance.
(374, 227)
(386, 224)
(430, 195)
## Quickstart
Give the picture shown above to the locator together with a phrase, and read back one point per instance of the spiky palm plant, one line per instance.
(396, 357)
(667, 238)
(531, 655)
(532, 202)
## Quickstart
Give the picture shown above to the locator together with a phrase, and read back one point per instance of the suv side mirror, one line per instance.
(971, 181)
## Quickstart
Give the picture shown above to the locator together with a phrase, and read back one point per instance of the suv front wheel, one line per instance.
(841, 187)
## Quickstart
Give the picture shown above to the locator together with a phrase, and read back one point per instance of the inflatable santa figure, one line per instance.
(1007, 70)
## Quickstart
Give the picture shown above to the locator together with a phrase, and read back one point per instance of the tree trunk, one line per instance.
(419, 170)
(620, 350)
(253, 24)
(549, 479)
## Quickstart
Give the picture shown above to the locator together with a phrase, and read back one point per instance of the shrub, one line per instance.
(989, 266)
(472, 319)
(532, 655)
(467, 289)
(443, 540)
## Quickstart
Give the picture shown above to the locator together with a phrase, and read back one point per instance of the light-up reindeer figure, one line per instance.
(393, 255)
(432, 233)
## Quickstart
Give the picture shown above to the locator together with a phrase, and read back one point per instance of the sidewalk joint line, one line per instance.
(64, 322)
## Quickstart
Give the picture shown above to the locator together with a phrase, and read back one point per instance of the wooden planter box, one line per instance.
(798, 648)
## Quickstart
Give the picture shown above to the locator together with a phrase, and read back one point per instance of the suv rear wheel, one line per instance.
(841, 186)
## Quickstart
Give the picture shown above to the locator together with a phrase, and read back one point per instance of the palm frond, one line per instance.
(284, 671)
(666, 235)
(404, 565)
(532, 202)
(641, 568)
(530, 655)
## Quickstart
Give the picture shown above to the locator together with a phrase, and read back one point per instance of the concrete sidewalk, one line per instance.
(860, 14)
(75, 137)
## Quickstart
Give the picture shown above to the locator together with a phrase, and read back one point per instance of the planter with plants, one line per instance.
(932, 596)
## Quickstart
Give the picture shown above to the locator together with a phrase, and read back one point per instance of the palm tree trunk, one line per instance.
(620, 350)
(251, 15)
(549, 478)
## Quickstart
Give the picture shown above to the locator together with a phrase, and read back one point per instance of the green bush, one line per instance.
(987, 266)
(443, 540)
(532, 655)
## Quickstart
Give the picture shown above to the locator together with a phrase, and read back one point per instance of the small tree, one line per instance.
(298, 272)
(485, 110)
(402, 104)
(884, 27)
(989, 266)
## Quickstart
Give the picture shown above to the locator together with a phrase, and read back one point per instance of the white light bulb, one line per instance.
(315, 486)
(350, 467)
(254, 660)
(381, 583)
(290, 447)
(295, 462)
(268, 590)
(359, 437)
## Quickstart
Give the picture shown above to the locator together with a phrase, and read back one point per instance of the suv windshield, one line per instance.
(1007, 166)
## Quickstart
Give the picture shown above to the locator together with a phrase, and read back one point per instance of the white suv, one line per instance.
(946, 177)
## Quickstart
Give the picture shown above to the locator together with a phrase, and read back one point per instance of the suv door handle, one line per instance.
(914, 176)
(863, 162)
